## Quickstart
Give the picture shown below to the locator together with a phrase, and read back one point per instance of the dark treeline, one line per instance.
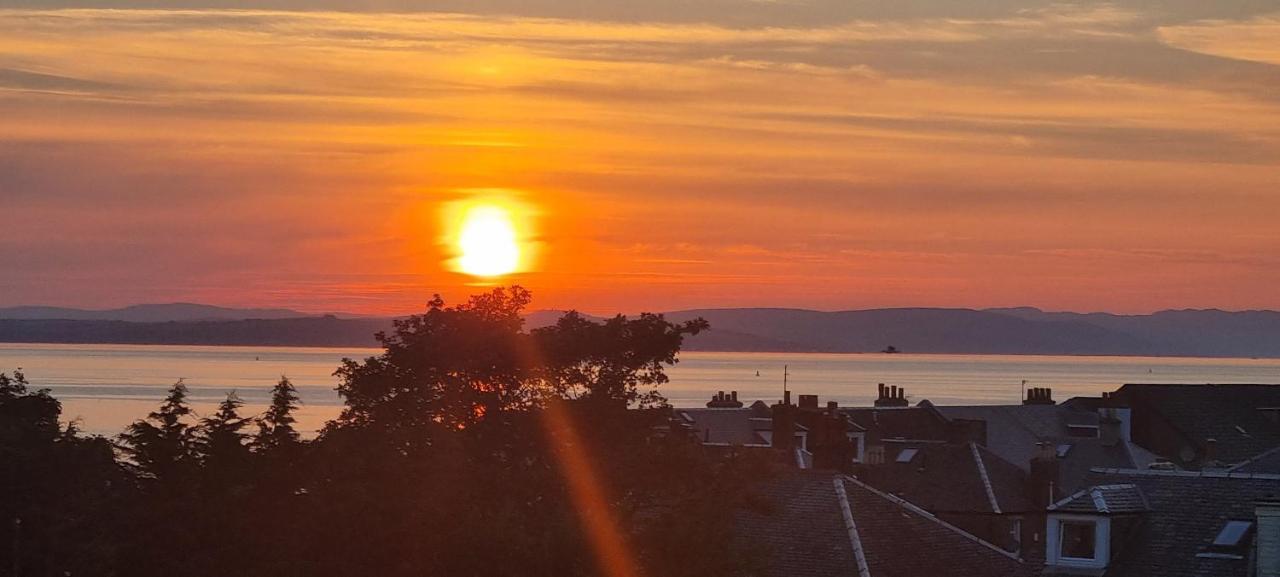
(468, 447)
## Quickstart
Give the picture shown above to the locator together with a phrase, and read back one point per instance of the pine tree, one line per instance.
(161, 444)
(275, 427)
(221, 444)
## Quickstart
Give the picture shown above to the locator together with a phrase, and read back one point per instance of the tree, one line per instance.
(58, 491)
(469, 429)
(275, 427)
(449, 368)
(162, 444)
(221, 445)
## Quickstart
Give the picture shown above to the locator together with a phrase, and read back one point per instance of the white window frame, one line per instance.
(860, 447)
(1101, 541)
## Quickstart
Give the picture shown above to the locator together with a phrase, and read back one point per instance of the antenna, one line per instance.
(784, 379)
(1024, 391)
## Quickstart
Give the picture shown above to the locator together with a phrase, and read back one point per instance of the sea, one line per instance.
(103, 388)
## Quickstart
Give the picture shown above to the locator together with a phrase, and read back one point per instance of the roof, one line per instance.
(1116, 499)
(951, 478)
(915, 423)
(1227, 413)
(796, 524)
(1014, 430)
(899, 539)
(1186, 511)
(1268, 462)
(824, 524)
(729, 426)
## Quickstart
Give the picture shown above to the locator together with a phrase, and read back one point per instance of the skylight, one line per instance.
(905, 455)
(1232, 533)
(1063, 449)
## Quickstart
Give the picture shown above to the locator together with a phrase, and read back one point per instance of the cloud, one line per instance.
(1252, 40)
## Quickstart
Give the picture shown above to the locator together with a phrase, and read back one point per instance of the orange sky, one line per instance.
(1110, 156)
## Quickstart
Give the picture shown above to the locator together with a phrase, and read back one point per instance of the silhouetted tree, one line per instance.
(59, 491)
(220, 443)
(275, 427)
(162, 444)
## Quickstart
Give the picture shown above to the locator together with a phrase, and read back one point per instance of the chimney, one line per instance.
(1039, 396)
(784, 424)
(809, 402)
(723, 401)
(1043, 479)
(833, 406)
(891, 396)
(1268, 536)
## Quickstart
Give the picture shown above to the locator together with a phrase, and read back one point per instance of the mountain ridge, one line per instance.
(1011, 330)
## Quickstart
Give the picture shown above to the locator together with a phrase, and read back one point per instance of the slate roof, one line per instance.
(1186, 510)
(1227, 413)
(901, 540)
(799, 525)
(729, 426)
(1014, 430)
(915, 423)
(1268, 462)
(951, 478)
(1118, 499)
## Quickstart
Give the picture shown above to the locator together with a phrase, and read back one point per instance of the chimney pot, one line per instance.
(734, 394)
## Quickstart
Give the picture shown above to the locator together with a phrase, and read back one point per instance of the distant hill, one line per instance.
(328, 331)
(1209, 333)
(150, 313)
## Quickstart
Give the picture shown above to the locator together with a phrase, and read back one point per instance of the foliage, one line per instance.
(469, 446)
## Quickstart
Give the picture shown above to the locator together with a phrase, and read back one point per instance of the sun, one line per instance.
(488, 243)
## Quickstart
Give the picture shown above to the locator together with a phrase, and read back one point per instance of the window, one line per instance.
(1076, 539)
(1232, 534)
(905, 455)
(1063, 449)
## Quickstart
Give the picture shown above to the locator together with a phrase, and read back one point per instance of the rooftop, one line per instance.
(823, 524)
(1186, 513)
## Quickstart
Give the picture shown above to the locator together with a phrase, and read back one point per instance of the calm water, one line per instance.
(108, 386)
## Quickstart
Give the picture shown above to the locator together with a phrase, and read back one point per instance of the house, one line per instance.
(964, 484)
(1140, 523)
(810, 524)
(1268, 462)
(723, 424)
(1200, 426)
(1083, 437)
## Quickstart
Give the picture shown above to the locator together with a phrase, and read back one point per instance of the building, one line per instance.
(1140, 523)
(1083, 436)
(964, 484)
(811, 523)
(1200, 426)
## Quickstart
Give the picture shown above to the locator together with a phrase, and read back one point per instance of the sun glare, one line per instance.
(488, 243)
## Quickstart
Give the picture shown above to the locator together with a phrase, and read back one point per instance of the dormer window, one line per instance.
(1078, 540)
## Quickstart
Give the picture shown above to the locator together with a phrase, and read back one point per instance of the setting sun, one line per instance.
(488, 243)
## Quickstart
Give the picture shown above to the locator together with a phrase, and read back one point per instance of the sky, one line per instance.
(826, 154)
